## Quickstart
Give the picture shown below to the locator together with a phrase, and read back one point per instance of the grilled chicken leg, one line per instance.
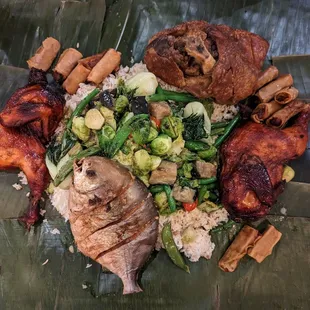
(23, 151)
(253, 159)
(38, 105)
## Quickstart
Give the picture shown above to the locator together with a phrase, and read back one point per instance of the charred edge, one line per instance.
(133, 237)
(125, 216)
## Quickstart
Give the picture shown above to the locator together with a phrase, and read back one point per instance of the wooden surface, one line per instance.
(280, 282)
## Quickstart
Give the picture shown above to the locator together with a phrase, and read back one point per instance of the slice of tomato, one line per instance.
(190, 206)
(156, 121)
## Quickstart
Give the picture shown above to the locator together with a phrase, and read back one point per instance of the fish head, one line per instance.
(88, 174)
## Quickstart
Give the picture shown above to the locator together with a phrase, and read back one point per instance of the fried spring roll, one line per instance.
(67, 61)
(105, 66)
(286, 95)
(45, 54)
(281, 117)
(266, 93)
(264, 246)
(91, 61)
(77, 76)
(265, 110)
(239, 247)
(81, 72)
(266, 76)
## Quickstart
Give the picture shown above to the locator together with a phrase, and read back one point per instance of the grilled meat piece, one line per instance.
(225, 61)
(113, 218)
(21, 150)
(38, 105)
(253, 159)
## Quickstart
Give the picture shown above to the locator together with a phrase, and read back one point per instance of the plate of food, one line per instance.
(163, 161)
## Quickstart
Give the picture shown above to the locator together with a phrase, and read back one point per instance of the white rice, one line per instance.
(60, 200)
(199, 223)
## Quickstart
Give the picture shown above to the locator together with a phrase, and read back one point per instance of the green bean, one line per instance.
(164, 95)
(202, 193)
(212, 186)
(196, 145)
(81, 106)
(171, 201)
(171, 248)
(219, 125)
(208, 154)
(228, 130)
(156, 189)
(207, 181)
(217, 131)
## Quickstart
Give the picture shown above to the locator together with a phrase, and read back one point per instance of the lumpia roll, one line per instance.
(266, 76)
(265, 110)
(264, 246)
(266, 93)
(281, 117)
(67, 61)
(286, 95)
(107, 64)
(45, 54)
(77, 76)
(239, 247)
(91, 61)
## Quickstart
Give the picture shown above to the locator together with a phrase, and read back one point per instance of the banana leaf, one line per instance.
(64, 282)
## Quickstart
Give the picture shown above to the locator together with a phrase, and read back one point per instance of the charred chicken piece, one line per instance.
(113, 218)
(253, 159)
(38, 106)
(223, 61)
(21, 150)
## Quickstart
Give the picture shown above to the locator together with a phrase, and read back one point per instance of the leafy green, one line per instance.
(194, 127)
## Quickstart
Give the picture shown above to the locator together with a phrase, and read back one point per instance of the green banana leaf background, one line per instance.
(281, 282)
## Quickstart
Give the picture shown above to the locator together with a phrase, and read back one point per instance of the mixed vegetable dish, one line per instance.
(164, 137)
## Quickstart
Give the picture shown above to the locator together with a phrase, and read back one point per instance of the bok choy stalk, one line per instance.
(68, 166)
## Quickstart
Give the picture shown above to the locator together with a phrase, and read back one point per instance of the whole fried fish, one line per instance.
(113, 218)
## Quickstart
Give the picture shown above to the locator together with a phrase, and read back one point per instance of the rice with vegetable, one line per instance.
(173, 154)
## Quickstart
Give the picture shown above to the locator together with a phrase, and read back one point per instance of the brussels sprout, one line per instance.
(152, 135)
(161, 145)
(92, 140)
(124, 159)
(142, 162)
(144, 179)
(145, 84)
(108, 116)
(155, 162)
(94, 119)
(121, 103)
(129, 147)
(171, 126)
(80, 129)
(161, 201)
(177, 146)
(105, 135)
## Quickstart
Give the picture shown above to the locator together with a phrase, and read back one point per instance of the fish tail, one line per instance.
(131, 285)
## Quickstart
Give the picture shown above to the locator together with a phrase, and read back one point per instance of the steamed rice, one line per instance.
(198, 223)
